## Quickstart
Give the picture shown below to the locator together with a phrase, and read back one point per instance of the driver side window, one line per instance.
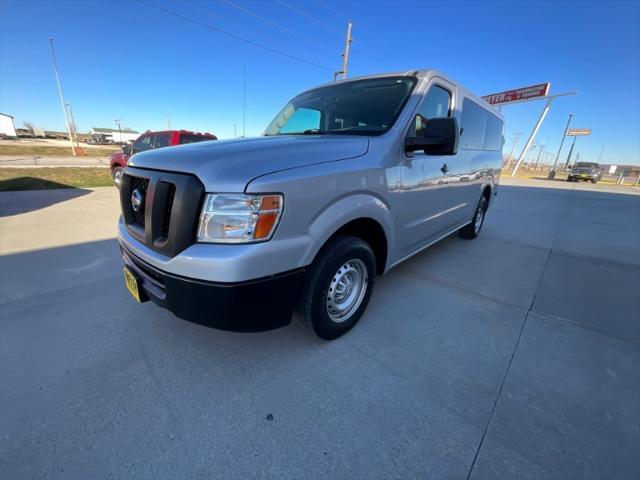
(436, 104)
(142, 144)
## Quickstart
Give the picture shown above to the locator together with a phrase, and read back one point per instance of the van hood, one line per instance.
(230, 165)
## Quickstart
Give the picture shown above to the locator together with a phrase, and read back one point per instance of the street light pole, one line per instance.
(74, 128)
(117, 122)
(552, 172)
(64, 108)
(532, 137)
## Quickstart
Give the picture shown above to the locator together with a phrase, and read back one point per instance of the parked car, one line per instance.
(589, 171)
(98, 139)
(150, 141)
(348, 180)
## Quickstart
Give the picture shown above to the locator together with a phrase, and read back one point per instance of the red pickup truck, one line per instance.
(151, 140)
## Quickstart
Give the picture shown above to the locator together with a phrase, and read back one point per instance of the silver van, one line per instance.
(349, 179)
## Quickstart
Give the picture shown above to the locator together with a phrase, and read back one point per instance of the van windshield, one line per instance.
(587, 164)
(361, 107)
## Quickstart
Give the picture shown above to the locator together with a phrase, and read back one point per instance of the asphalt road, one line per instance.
(516, 355)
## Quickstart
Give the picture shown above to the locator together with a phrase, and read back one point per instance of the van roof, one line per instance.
(421, 73)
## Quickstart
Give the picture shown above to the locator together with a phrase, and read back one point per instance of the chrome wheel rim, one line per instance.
(346, 290)
(479, 219)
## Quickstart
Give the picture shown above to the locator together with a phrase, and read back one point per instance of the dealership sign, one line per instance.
(577, 132)
(525, 93)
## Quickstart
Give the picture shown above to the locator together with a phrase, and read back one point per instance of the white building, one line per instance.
(116, 136)
(6, 126)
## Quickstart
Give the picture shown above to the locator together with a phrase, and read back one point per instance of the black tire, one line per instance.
(116, 174)
(472, 230)
(569, 179)
(314, 305)
(594, 180)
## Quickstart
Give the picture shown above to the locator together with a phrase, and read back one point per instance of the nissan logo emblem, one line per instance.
(136, 200)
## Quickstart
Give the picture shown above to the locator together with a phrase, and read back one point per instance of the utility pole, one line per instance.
(117, 122)
(573, 144)
(516, 136)
(539, 155)
(64, 109)
(601, 152)
(235, 131)
(552, 172)
(345, 55)
(168, 122)
(347, 46)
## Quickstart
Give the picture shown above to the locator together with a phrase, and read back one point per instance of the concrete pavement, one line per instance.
(516, 355)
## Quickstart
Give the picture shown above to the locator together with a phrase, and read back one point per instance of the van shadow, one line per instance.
(27, 194)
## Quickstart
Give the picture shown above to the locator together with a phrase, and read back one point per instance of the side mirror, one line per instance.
(126, 149)
(440, 137)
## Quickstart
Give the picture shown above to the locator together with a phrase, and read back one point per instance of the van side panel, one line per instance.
(479, 159)
(320, 199)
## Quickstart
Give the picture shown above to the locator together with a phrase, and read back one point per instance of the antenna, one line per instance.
(244, 101)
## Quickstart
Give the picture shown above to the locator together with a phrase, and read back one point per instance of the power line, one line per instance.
(270, 22)
(329, 7)
(313, 19)
(233, 35)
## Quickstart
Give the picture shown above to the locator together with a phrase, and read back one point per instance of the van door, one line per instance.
(479, 149)
(424, 202)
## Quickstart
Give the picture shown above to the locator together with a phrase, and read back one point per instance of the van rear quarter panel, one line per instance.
(319, 199)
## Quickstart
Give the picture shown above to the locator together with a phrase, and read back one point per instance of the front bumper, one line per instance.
(583, 176)
(249, 306)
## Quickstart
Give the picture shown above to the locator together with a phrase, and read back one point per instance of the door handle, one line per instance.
(444, 168)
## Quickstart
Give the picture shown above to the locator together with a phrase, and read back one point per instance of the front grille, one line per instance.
(167, 210)
(140, 184)
(167, 218)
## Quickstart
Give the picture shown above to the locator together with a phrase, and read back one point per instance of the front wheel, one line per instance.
(472, 230)
(594, 180)
(569, 179)
(339, 287)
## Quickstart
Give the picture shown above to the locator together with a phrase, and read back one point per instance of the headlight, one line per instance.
(238, 218)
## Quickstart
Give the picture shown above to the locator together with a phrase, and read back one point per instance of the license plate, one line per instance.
(132, 283)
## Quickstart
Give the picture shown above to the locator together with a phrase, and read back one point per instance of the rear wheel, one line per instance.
(472, 230)
(569, 178)
(116, 173)
(339, 287)
(594, 180)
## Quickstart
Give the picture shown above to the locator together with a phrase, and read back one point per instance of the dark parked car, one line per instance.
(585, 171)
